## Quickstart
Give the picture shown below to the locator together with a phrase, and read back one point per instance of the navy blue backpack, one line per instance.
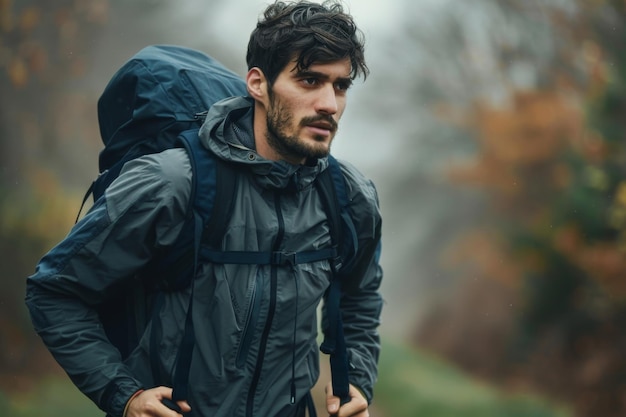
(156, 101)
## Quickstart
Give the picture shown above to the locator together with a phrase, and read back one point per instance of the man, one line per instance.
(256, 350)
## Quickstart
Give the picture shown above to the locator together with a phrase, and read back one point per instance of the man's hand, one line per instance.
(149, 403)
(356, 407)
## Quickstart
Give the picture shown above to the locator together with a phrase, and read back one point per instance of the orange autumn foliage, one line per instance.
(522, 143)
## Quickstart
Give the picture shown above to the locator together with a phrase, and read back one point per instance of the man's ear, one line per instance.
(257, 85)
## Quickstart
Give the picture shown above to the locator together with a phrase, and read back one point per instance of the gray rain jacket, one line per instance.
(243, 363)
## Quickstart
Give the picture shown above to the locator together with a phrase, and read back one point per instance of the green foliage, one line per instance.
(414, 384)
(52, 397)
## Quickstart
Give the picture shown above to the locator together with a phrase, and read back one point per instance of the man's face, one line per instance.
(304, 109)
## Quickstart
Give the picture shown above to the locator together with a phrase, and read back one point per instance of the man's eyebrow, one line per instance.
(322, 76)
(313, 74)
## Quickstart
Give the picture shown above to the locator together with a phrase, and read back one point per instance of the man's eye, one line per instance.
(342, 86)
(309, 81)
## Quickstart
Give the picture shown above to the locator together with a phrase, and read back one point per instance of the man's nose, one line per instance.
(327, 100)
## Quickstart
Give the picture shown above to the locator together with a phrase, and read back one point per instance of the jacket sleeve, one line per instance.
(361, 302)
(142, 211)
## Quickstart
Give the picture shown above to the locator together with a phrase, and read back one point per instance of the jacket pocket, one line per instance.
(252, 318)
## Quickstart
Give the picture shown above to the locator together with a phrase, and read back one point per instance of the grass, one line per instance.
(414, 384)
(52, 397)
(411, 384)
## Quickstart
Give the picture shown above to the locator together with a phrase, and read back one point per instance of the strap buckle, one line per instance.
(284, 258)
(337, 264)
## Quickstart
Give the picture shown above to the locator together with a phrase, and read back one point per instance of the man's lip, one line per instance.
(324, 126)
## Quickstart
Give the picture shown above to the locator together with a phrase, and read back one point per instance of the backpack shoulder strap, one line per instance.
(212, 180)
(331, 184)
(332, 187)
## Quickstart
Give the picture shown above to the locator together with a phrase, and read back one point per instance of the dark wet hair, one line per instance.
(308, 33)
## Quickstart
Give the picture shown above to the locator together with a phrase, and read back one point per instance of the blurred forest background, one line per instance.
(494, 130)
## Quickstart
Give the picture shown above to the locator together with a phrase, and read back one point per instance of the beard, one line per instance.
(291, 146)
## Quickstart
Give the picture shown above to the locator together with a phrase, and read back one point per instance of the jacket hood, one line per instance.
(228, 133)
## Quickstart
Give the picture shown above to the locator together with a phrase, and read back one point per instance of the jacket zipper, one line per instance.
(251, 320)
(270, 315)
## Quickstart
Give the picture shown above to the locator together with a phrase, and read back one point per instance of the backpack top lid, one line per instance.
(161, 88)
